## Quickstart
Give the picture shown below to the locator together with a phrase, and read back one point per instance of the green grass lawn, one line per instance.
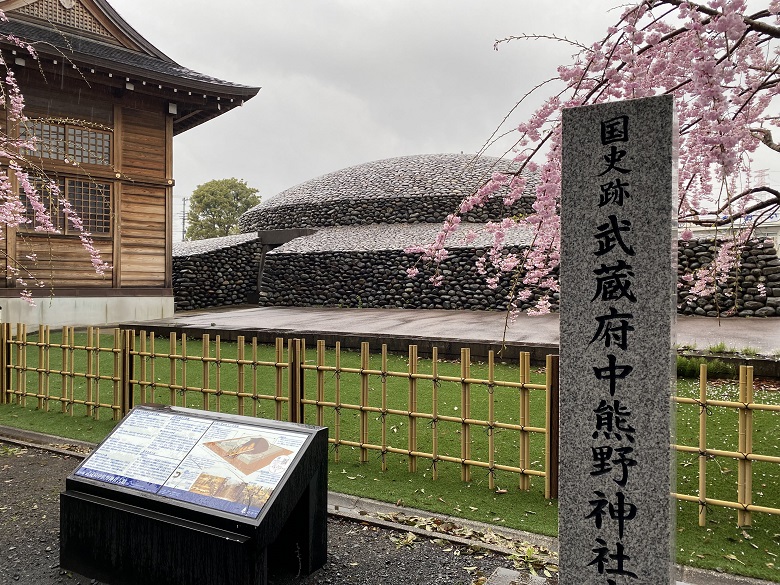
(719, 545)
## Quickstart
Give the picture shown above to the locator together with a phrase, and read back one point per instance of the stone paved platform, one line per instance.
(448, 330)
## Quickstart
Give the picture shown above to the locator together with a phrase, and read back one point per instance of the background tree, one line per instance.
(215, 207)
(721, 64)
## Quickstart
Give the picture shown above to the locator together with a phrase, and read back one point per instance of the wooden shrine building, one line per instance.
(104, 105)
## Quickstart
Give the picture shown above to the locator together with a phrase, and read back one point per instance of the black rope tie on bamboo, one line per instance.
(491, 388)
(432, 423)
(703, 407)
(489, 429)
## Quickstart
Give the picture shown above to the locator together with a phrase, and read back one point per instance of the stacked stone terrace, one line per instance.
(215, 272)
(365, 216)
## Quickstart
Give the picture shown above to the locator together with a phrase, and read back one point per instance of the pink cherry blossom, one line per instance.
(14, 204)
(722, 65)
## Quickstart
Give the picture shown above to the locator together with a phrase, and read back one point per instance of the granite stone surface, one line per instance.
(617, 313)
(211, 244)
(409, 189)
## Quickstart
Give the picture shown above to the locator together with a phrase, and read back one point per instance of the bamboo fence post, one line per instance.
(254, 376)
(491, 421)
(21, 363)
(90, 377)
(206, 375)
(302, 381)
(122, 380)
(47, 365)
(746, 444)
(551, 437)
(152, 367)
(384, 407)
(63, 368)
(742, 446)
(96, 357)
(142, 382)
(217, 374)
(118, 401)
(184, 360)
(292, 374)
(525, 446)
(172, 368)
(280, 364)
(71, 367)
(8, 350)
(3, 363)
(279, 379)
(128, 346)
(320, 382)
(43, 398)
(435, 412)
(465, 408)
(703, 444)
(294, 381)
(240, 374)
(412, 431)
(337, 414)
(364, 366)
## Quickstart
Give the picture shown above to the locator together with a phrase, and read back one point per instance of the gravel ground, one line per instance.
(358, 553)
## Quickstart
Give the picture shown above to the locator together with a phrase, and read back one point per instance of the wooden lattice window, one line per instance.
(89, 146)
(67, 142)
(91, 200)
(73, 14)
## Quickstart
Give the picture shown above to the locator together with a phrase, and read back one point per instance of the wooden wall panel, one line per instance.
(62, 261)
(58, 98)
(143, 147)
(143, 215)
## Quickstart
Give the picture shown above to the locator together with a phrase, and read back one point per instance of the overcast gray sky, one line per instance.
(351, 81)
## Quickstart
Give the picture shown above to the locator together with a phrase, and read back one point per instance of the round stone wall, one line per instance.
(752, 290)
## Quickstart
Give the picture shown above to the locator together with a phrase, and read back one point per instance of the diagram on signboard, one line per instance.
(247, 454)
(237, 465)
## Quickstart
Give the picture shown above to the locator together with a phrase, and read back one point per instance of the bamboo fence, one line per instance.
(96, 376)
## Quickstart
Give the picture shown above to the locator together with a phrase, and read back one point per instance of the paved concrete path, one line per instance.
(457, 327)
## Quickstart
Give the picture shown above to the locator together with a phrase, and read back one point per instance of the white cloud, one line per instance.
(350, 81)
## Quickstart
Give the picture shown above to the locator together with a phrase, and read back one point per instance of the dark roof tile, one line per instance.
(80, 48)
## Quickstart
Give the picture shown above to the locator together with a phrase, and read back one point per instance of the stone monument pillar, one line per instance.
(619, 201)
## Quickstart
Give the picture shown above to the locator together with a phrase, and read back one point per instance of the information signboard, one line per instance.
(185, 497)
(216, 464)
